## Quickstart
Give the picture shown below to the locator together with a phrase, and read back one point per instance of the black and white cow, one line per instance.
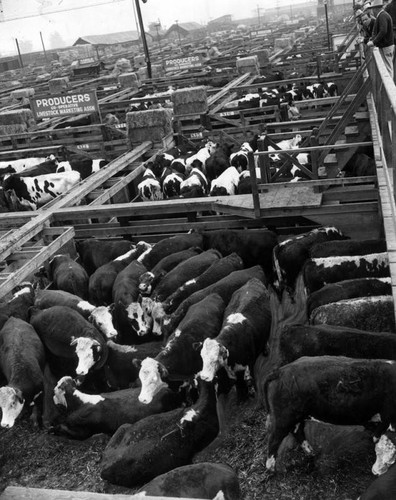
(48, 166)
(148, 281)
(100, 316)
(34, 192)
(74, 345)
(187, 270)
(331, 389)
(348, 289)
(239, 159)
(226, 183)
(150, 187)
(289, 255)
(68, 275)
(88, 414)
(94, 252)
(171, 183)
(196, 184)
(218, 162)
(179, 359)
(17, 166)
(320, 271)
(100, 286)
(84, 166)
(202, 155)
(22, 361)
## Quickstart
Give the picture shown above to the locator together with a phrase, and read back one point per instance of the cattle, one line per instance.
(318, 90)
(218, 162)
(383, 488)
(333, 389)
(150, 188)
(245, 183)
(120, 369)
(22, 361)
(34, 192)
(84, 166)
(224, 287)
(359, 165)
(88, 414)
(139, 452)
(171, 183)
(100, 316)
(348, 289)
(161, 162)
(218, 270)
(226, 183)
(202, 155)
(385, 450)
(185, 271)
(366, 313)
(68, 275)
(18, 306)
(253, 247)
(17, 166)
(94, 253)
(243, 336)
(239, 159)
(48, 166)
(179, 359)
(196, 184)
(127, 311)
(347, 247)
(100, 286)
(320, 271)
(290, 255)
(201, 480)
(169, 246)
(331, 89)
(73, 344)
(148, 281)
(292, 143)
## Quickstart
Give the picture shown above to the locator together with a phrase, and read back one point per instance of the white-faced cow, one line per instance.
(22, 361)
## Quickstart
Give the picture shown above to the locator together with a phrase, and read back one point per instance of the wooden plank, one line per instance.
(29, 267)
(21, 493)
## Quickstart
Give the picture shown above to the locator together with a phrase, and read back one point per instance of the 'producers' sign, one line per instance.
(183, 63)
(64, 104)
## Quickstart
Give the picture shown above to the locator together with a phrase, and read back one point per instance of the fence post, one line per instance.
(253, 182)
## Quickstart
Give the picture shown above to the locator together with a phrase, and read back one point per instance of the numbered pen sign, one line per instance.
(64, 104)
(183, 63)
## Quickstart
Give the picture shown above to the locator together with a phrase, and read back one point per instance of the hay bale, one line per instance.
(262, 56)
(139, 61)
(191, 100)
(16, 121)
(248, 65)
(57, 85)
(20, 93)
(128, 80)
(151, 125)
(282, 43)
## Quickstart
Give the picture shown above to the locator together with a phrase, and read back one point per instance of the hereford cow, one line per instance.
(22, 361)
(34, 192)
(179, 359)
(321, 271)
(331, 389)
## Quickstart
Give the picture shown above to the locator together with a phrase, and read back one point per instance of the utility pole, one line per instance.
(143, 35)
(42, 43)
(327, 25)
(19, 53)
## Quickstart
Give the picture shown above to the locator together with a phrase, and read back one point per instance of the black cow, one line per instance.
(347, 247)
(383, 488)
(18, 306)
(68, 275)
(94, 253)
(22, 361)
(218, 161)
(333, 389)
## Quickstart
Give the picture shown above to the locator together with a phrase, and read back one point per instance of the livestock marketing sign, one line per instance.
(183, 63)
(64, 104)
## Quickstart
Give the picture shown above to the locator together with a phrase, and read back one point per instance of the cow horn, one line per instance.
(73, 341)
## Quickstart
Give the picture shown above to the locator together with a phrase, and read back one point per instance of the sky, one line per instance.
(25, 19)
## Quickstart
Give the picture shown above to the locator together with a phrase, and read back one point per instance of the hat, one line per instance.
(375, 3)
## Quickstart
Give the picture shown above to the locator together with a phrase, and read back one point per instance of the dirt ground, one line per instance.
(34, 458)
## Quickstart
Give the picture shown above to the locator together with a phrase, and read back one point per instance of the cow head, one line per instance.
(385, 450)
(65, 385)
(11, 404)
(101, 317)
(147, 306)
(151, 375)
(214, 356)
(88, 352)
(136, 317)
(157, 314)
(145, 283)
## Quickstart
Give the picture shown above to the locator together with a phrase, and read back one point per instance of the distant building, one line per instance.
(220, 23)
(112, 43)
(185, 30)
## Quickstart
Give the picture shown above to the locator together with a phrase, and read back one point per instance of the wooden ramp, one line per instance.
(20, 493)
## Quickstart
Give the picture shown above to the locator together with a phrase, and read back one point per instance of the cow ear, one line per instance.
(73, 340)
(137, 363)
(197, 346)
(163, 371)
(19, 396)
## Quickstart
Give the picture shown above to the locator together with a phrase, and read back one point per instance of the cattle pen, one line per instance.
(106, 206)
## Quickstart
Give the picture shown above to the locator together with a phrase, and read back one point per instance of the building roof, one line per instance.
(109, 38)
